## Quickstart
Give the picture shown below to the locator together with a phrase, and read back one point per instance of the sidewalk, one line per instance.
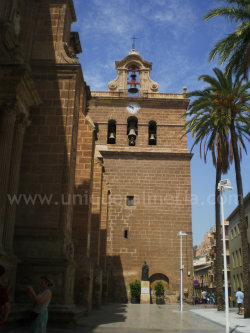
(153, 318)
(237, 322)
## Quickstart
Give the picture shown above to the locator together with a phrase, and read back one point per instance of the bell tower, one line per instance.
(127, 71)
(146, 176)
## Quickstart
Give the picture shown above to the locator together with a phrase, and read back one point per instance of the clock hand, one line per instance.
(132, 107)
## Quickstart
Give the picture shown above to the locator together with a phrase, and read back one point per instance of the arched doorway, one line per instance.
(157, 277)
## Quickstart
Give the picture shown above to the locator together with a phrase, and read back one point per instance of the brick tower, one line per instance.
(147, 176)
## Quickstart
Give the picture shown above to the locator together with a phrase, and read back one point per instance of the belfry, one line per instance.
(146, 173)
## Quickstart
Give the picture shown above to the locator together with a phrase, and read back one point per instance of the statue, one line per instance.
(145, 269)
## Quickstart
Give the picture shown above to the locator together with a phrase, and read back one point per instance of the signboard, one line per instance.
(144, 287)
(196, 282)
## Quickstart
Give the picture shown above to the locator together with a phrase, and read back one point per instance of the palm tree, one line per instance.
(220, 122)
(212, 135)
(235, 47)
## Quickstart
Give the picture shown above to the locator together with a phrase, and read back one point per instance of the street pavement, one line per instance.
(153, 318)
(237, 322)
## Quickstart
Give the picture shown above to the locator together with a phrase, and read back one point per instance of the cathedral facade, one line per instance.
(92, 183)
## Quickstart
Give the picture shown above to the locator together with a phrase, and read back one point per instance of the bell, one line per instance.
(111, 137)
(131, 133)
(152, 139)
(133, 89)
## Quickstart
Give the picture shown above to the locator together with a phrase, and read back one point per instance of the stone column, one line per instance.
(8, 118)
(9, 221)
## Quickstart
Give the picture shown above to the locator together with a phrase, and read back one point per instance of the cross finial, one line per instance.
(133, 43)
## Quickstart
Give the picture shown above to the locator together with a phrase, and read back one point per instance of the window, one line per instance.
(240, 257)
(126, 234)
(236, 259)
(241, 281)
(246, 220)
(233, 261)
(237, 281)
(152, 133)
(111, 139)
(130, 200)
(238, 230)
(232, 234)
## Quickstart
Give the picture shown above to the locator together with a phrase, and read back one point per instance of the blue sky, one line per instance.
(172, 35)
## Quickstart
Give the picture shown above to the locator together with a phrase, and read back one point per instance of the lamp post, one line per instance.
(180, 234)
(222, 186)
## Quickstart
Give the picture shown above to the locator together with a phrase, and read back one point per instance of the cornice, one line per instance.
(153, 155)
(142, 101)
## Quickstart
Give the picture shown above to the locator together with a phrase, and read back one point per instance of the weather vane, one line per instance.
(133, 43)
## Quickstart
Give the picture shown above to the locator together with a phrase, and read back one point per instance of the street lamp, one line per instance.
(222, 186)
(180, 234)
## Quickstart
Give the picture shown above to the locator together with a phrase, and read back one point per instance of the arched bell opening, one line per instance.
(111, 139)
(133, 81)
(152, 137)
(132, 130)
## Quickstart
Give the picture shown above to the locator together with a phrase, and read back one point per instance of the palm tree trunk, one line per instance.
(218, 262)
(242, 224)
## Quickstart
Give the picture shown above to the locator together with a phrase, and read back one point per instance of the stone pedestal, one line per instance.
(145, 292)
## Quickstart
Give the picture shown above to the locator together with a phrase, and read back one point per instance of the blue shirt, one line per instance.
(240, 296)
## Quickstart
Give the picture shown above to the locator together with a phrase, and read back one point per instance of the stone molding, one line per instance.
(171, 101)
(145, 154)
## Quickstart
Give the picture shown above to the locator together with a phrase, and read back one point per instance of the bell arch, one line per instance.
(111, 135)
(132, 130)
(152, 135)
(133, 59)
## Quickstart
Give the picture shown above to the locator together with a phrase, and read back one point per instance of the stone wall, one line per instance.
(48, 166)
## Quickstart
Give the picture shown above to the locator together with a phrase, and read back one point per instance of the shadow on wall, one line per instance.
(116, 288)
(41, 234)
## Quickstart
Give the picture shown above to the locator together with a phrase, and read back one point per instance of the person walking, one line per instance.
(41, 301)
(4, 299)
(239, 297)
(204, 297)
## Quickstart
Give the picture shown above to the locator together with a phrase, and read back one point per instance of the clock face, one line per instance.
(132, 107)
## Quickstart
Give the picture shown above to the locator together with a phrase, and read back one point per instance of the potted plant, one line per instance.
(135, 291)
(159, 293)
